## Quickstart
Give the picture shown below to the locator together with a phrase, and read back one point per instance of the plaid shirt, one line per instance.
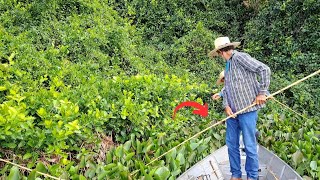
(241, 84)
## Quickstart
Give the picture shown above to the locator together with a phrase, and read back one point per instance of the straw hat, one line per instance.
(221, 76)
(220, 43)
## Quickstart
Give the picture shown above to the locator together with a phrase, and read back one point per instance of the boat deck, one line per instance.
(216, 167)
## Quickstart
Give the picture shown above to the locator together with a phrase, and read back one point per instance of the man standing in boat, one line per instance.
(242, 88)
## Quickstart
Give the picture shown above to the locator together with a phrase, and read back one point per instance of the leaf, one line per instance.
(313, 165)
(11, 145)
(76, 109)
(90, 173)
(32, 175)
(119, 151)
(73, 170)
(81, 177)
(182, 149)
(129, 156)
(103, 175)
(142, 168)
(27, 156)
(173, 165)
(124, 175)
(4, 169)
(2, 88)
(157, 154)
(191, 157)
(147, 158)
(152, 171)
(181, 158)
(176, 172)
(139, 147)
(41, 112)
(82, 163)
(297, 157)
(207, 140)
(202, 148)
(110, 166)
(162, 173)
(41, 168)
(147, 148)
(172, 155)
(127, 145)
(161, 138)
(194, 146)
(14, 173)
(217, 136)
(148, 177)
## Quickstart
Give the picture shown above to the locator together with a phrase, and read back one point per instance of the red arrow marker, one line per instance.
(201, 110)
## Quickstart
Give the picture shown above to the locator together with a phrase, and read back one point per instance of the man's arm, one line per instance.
(221, 92)
(218, 95)
(226, 106)
(225, 98)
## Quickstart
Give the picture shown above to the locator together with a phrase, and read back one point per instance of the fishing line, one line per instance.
(22, 167)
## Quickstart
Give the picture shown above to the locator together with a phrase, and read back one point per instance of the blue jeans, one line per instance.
(247, 124)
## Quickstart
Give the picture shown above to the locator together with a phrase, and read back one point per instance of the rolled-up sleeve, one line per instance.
(258, 67)
(225, 98)
(221, 92)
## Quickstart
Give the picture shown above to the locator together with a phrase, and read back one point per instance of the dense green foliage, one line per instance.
(296, 144)
(87, 88)
(185, 30)
(285, 35)
(162, 22)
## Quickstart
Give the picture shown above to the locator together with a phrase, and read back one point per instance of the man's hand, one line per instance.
(261, 99)
(229, 112)
(215, 96)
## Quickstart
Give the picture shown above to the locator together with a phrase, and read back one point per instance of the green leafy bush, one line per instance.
(88, 88)
(165, 21)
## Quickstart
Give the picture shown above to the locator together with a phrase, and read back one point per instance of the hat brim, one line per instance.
(214, 53)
